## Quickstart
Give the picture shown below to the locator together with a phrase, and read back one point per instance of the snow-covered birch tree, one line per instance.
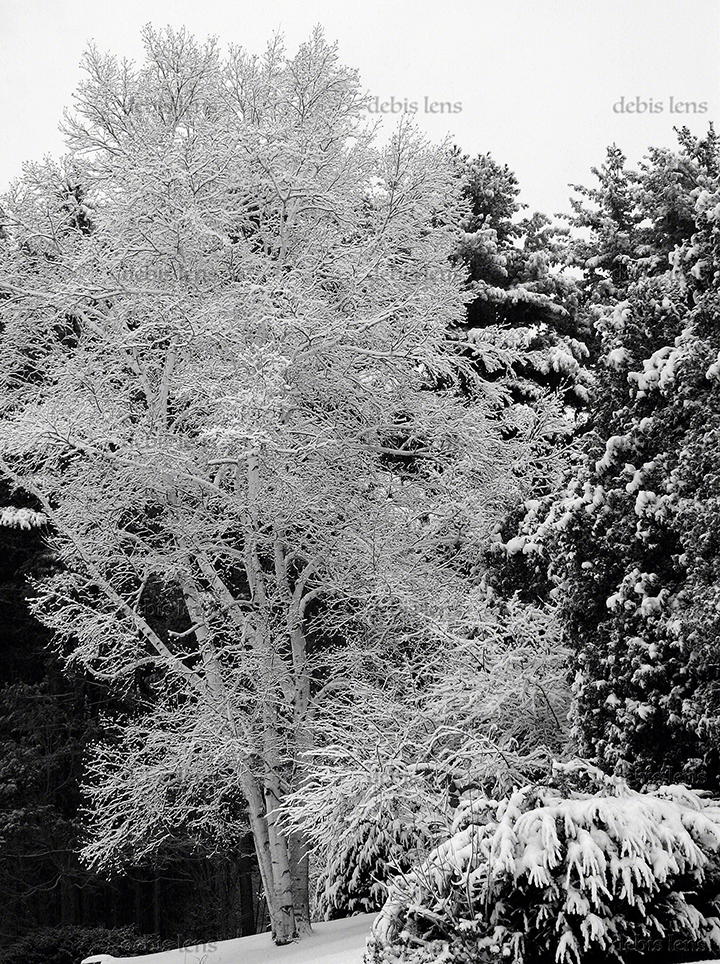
(221, 391)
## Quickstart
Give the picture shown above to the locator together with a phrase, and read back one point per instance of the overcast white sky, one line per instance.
(537, 80)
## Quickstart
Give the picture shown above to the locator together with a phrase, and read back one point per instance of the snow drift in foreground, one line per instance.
(332, 942)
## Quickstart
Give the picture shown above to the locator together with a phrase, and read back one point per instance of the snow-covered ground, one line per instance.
(333, 942)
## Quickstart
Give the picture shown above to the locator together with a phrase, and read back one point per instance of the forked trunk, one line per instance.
(284, 872)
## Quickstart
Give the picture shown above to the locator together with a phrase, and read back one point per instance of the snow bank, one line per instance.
(332, 942)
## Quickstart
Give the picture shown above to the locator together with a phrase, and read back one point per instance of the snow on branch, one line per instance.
(21, 518)
(567, 869)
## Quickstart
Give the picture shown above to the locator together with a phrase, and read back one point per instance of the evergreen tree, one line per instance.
(634, 539)
(517, 288)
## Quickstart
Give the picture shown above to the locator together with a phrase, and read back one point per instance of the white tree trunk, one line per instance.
(283, 867)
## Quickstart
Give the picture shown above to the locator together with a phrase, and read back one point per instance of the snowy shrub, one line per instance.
(353, 880)
(367, 813)
(578, 869)
(487, 711)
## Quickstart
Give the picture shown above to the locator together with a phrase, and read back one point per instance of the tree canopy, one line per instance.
(223, 397)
